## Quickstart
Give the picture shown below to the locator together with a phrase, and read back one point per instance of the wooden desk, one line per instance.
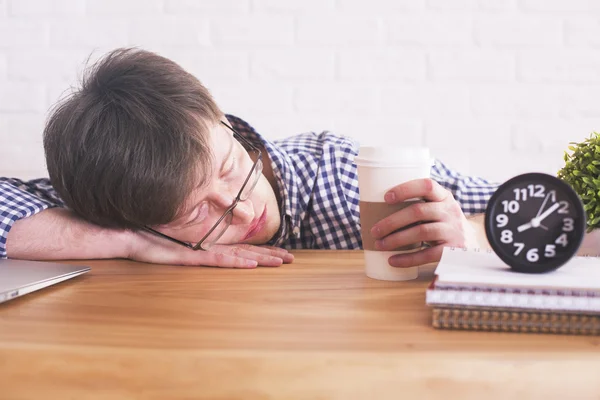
(318, 328)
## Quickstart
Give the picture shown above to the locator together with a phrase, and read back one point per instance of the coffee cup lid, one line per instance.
(390, 156)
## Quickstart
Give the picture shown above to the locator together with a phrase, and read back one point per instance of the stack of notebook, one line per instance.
(473, 289)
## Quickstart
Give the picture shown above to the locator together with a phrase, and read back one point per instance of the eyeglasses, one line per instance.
(219, 228)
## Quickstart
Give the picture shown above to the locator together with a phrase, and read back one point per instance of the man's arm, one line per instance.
(57, 234)
(20, 199)
(32, 227)
(480, 238)
(471, 193)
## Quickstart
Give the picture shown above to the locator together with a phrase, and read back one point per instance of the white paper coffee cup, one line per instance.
(379, 170)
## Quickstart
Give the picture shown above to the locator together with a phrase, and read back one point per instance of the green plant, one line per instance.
(582, 172)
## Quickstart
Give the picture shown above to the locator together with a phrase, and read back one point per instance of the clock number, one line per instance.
(506, 236)
(510, 206)
(502, 220)
(550, 250)
(533, 190)
(520, 194)
(520, 247)
(536, 190)
(562, 239)
(532, 255)
(568, 224)
(564, 207)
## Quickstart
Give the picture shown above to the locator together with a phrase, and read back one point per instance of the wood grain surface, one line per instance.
(314, 329)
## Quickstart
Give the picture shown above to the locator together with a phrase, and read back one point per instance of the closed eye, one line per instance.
(199, 214)
(231, 167)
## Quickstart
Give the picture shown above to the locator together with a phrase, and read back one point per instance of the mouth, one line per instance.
(256, 225)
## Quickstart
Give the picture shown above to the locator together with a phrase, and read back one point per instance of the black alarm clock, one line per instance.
(535, 222)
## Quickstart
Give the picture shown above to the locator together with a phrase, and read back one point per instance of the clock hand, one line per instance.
(535, 221)
(543, 204)
(528, 225)
(524, 227)
(545, 214)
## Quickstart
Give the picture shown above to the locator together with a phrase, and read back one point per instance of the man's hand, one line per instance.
(442, 224)
(153, 249)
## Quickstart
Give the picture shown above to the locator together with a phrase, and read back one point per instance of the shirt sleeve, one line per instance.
(472, 193)
(21, 199)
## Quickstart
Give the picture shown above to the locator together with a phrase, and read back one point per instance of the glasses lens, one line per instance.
(252, 181)
(217, 232)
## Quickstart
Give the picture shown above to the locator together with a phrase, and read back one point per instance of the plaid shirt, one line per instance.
(317, 181)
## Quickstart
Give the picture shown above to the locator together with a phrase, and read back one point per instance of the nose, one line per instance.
(243, 213)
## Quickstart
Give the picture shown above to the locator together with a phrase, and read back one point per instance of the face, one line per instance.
(254, 220)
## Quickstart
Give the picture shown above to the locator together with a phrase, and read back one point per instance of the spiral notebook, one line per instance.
(469, 280)
(516, 321)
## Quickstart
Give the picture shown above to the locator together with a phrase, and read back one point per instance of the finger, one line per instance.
(420, 257)
(428, 232)
(425, 188)
(286, 256)
(215, 259)
(264, 260)
(414, 213)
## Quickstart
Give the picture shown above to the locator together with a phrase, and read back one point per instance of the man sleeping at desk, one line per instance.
(144, 165)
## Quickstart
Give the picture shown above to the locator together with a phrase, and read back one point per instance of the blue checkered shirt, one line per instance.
(317, 182)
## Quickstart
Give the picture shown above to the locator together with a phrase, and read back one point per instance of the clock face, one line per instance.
(535, 222)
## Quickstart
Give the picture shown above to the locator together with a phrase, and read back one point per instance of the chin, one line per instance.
(262, 238)
(265, 234)
(256, 241)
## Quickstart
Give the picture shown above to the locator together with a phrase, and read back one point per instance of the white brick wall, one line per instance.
(494, 87)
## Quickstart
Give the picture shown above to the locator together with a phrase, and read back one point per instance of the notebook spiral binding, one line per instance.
(516, 321)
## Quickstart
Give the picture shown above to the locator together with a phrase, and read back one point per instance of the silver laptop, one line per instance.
(20, 277)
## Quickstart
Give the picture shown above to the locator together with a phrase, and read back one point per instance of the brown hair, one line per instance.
(128, 147)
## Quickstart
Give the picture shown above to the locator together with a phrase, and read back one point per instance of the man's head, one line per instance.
(139, 144)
